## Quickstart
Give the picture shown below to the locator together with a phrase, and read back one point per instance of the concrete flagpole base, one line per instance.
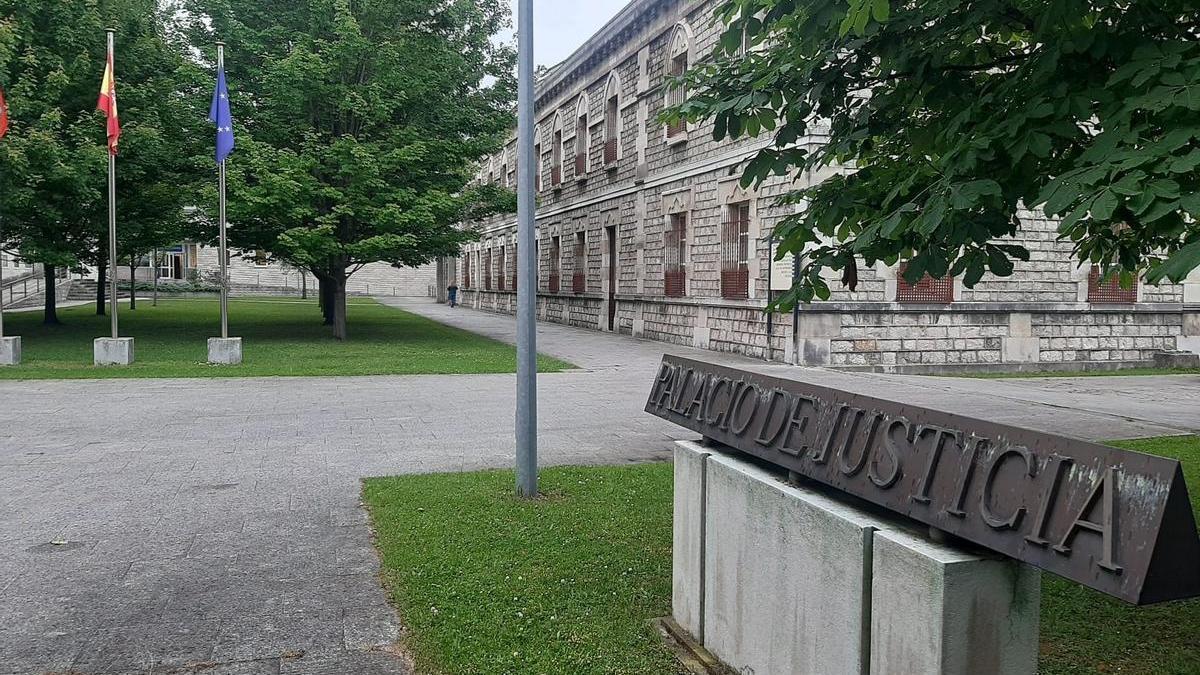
(10, 351)
(225, 351)
(776, 578)
(113, 351)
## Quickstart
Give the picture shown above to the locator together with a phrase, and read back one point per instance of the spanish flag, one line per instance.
(108, 104)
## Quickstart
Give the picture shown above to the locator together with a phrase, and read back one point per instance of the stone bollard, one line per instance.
(225, 351)
(10, 351)
(112, 351)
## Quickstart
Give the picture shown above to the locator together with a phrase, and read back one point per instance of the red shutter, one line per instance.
(1109, 290)
(735, 253)
(927, 291)
(674, 257)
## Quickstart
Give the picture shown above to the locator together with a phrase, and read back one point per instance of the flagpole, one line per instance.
(221, 222)
(527, 461)
(112, 213)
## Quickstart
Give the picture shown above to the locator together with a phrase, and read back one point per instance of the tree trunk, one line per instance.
(339, 308)
(327, 301)
(303, 285)
(132, 284)
(51, 306)
(101, 287)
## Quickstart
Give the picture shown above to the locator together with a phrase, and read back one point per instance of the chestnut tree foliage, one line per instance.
(950, 116)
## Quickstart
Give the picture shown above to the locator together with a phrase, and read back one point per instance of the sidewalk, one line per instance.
(1093, 408)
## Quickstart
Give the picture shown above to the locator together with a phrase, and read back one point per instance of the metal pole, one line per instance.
(221, 221)
(1, 294)
(527, 478)
(112, 217)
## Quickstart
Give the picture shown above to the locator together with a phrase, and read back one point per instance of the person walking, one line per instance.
(452, 289)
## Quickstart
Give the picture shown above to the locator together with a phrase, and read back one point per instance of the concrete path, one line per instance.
(214, 526)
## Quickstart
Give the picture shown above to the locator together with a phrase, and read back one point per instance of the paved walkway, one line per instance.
(214, 526)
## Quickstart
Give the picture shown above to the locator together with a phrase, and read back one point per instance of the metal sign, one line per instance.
(1114, 520)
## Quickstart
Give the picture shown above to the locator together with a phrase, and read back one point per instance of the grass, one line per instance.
(1120, 372)
(1084, 631)
(281, 337)
(489, 584)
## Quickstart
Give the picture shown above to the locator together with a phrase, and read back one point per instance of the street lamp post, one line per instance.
(527, 478)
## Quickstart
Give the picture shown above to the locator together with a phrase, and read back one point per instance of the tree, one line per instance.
(954, 116)
(360, 125)
(54, 159)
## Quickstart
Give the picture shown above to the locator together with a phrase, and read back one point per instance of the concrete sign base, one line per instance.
(10, 351)
(225, 351)
(774, 578)
(112, 351)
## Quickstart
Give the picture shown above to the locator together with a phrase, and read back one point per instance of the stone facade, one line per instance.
(644, 230)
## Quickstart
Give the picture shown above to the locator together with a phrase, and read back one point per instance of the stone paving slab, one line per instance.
(214, 526)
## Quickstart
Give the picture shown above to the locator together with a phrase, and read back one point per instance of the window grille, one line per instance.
(735, 253)
(675, 257)
(676, 95)
(612, 123)
(927, 290)
(579, 276)
(555, 265)
(1109, 290)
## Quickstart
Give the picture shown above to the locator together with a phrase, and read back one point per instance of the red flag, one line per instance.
(3, 114)
(108, 104)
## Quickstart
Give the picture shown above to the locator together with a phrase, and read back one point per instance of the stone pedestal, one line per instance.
(112, 351)
(775, 579)
(225, 351)
(10, 351)
(941, 610)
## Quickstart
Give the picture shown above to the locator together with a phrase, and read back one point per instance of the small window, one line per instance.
(581, 146)
(1109, 290)
(537, 174)
(677, 66)
(466, 275)
(735, 252)
(555, 264)
(501, 277)
(487, 270)
(612, 130)
(556, 153)
(579, 276)
(928, 290)
(675, 257)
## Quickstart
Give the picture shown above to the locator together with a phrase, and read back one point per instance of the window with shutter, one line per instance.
(579, 276)
(735, 252)
(1108, 290)
(928, 290)
(555, 264)
(675, 257)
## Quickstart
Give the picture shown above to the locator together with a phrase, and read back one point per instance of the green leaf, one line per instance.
(1105, 205)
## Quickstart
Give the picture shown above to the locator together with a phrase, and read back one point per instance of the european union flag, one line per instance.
(219, 115)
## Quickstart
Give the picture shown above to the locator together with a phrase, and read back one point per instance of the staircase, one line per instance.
(81, 289)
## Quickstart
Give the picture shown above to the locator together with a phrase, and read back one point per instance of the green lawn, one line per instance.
(490, 584)
(487, 583)
(280, 337)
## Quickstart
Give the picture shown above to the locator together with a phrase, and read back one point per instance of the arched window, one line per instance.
(582, 140)
(679, 59)
(537, 158)
(612, 121)
(556, 151)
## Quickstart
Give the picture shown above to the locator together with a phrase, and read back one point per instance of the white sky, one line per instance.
(561, 26)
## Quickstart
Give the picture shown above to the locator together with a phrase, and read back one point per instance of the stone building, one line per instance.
(253, 273)
(642, 229)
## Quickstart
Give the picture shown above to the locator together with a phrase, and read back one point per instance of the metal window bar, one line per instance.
(928, 290)
(674, 257)
(501, 276)
(735, 253)
(677, 95)
(612, 123)
(579, 274)
(1109, 290)
(555, 265)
